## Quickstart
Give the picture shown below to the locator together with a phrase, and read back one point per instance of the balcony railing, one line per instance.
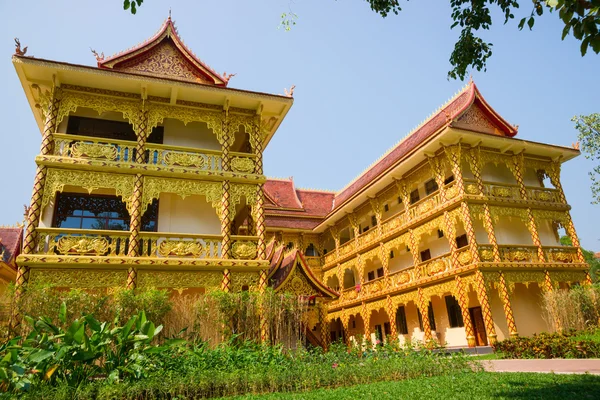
(436, 265)
(75, 146)
(507, 191)
(561, 254)
(84, 242)
(518, 253)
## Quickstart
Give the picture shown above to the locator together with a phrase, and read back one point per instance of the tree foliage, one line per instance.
(589, 139)
(593, 262)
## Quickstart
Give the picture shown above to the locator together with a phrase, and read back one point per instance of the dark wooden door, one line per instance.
(478, 326)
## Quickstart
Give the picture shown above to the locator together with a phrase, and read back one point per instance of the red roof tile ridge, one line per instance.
(469, 86)
(316, 190)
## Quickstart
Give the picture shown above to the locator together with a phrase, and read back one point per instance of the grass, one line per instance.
(483, 385)
(592, 334)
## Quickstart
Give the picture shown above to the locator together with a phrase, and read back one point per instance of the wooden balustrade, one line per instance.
(518, 253)
(76, 146)
(561, 254)
(63, 241)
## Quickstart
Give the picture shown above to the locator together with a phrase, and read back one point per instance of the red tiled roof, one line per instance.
(283, 193)
(316, 203)
(166, 31)
(290, 222)
(442, 118)
(10, 243)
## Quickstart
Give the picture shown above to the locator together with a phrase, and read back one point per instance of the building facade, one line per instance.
(150, 175)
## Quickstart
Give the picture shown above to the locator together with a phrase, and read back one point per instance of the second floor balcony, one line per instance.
(121, 153)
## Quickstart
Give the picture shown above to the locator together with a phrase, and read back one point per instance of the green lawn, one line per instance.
(482, 385)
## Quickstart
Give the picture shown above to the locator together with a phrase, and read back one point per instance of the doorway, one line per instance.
(478, 326)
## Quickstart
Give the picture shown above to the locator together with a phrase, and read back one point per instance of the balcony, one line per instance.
(435, 266)
(510, 192)
(529, 254)
(108, 243)
(157, 155)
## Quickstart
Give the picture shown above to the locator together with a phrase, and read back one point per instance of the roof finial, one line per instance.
(169, 12)
(18, 50)
(471, 78)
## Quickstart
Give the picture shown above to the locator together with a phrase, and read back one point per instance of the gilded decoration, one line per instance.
(563, 257)
(242, 164)
(525, 277)
(402, 278)
(435, 267)
(154, 186)
(164, 60)
(214, 119)
(440, 290)
(298, 285)
(487, 255)
(94, 150)
(185, 159)
(558, 216)
(510, 212)
(56, 179)
(465, 257)
(180, 248)
(243, 250)
(131, 109)
(471, 188)
(211, 280)
(451, 192)
(90, 245)
(78, 278)
(240, 280)
(502, 191)
(567, 276)
(239, 190)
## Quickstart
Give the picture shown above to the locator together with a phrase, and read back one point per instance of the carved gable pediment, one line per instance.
(164, 61)
(475, 119)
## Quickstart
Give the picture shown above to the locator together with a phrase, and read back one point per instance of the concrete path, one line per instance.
(556, 365)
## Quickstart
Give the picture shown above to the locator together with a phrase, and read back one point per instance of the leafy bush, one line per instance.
(73, 353)
(577, 308)
(549, 345)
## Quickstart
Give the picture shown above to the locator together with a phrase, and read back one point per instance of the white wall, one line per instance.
(194, 134)
(546, 233)
(513, 231)
(190, 215)
(497, 173)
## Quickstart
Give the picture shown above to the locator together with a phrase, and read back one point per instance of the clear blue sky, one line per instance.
(362, 82)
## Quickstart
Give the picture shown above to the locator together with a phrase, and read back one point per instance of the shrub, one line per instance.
(577, 308)
(549, 345)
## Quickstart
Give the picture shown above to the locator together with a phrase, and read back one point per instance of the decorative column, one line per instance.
(135, 222)
(353, 219)
(345, 318)
(505, 296)
(340, 275)
(376, 207)
(226, 141)
(463, 301)
(49, 106)
(384, 257)
(489, 228)
(414, 251)
(260, 200)
(324, 326)
(554, 174)
(468, 223)
(451, 236)
(474, 158)
(391, 312)
(438, 173)
(570, 228)
(226, 281)
(535, 237)
(454, 153)
(482, 294)
(360, 267)
(366, 316)
(262, 286)
(424, 308)
(335, 233)
(587, 281)
(516, 164)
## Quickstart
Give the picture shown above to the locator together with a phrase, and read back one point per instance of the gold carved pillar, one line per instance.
(135, 222)
(570, 228)
(49, 105)
(454, 156)
(360, 267)
(535, 237)
(424, 310)
(438, 174)
(260, 200)
(468, 223)
(324, 326)
(366, 316)
(516, 164)
(384, 257)
(226, 141)
(226, 281)
(483, 297)
(451, 236)
(376, 207)
(489, 229)
(353, 219)
(262, 287)
(476, 165)
(345, 318)
(508, 313)
(554, 175)
(414, 251)
(335, 233)
(463, 301)
(391, 312)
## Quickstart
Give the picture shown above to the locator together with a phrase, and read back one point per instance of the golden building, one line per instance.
(150, 174)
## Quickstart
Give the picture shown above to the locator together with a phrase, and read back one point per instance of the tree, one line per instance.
(589, 139)
(593, 262)
(582, 17)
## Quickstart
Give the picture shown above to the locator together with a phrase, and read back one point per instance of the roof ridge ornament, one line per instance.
(18, 50)
(99, 57)
(291, 92)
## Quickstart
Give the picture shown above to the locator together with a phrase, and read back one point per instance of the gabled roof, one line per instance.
(164, 55)
(294, 267)
(10, 244)
(446, 116)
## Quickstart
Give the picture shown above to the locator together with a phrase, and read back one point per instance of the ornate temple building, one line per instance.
(150, 174)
